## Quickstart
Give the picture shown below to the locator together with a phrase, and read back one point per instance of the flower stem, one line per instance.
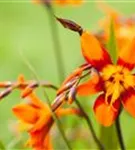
(119, 133)
(56, 44)
(59, 63)
(101, 147)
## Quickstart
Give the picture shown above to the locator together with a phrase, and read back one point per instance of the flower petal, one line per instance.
(105, 113)
(126, 56)
(36, 101)
(45, 119)
(25, 113)
(128, 101)
(93, 52)
(48, 143)
(92, 86)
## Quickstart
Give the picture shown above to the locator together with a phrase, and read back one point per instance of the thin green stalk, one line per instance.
(101, 147)
(58, 123)
(56, 44)
(119, 133)
(105, 134)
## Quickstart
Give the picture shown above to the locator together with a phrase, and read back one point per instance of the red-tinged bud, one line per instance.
(58, 101)
(5, 84)
(6, 92)
(26, 92)
(70, 25)
(29, 89)
(67, 85)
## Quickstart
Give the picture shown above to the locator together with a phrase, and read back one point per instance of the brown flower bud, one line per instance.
(70, 25)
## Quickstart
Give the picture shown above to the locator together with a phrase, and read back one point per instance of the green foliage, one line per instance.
(2, 147)
(108, 137)
(112, 44)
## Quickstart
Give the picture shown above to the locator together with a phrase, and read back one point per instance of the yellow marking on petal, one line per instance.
(116, 92)
(23, 126)
(129, 81)
(116, 79)
(109, 86)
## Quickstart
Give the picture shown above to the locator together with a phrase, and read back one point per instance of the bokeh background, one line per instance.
(25, 34)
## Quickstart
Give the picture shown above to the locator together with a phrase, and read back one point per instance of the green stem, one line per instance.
(59, 62)
(119, 133)
(101, 147)
(56, 44)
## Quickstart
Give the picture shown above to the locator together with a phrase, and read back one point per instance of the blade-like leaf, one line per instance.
(108, 135)
(112, 43)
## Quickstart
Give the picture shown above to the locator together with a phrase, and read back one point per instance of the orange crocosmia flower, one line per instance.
(37, 118)
(116, 82)
(124, 27)
(60, 2)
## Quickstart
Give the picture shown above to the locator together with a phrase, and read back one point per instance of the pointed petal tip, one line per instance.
(25, 112)
(15, 109)
(93, 52)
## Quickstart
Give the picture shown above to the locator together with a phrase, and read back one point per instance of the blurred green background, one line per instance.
(25, 29)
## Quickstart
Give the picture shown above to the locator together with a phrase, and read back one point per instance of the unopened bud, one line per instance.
(70, 25)
(72, 95)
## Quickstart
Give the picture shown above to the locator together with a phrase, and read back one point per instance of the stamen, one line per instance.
(111, 105)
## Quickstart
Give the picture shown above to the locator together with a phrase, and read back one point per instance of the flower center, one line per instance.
(116, 79)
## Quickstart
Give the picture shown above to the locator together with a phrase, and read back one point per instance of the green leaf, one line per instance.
(112, 43)
(108, 137)
(2, 147)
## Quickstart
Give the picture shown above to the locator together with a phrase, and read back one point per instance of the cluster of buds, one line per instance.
(28, 87)
(67, 91)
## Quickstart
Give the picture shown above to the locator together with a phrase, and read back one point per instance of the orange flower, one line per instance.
(124, 26)
(60, 2)
(37, 118)
(116, 82)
